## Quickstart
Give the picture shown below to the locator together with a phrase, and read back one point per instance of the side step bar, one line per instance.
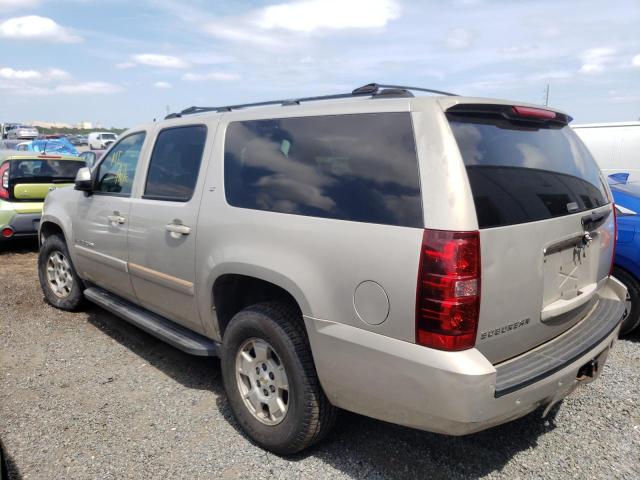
(172, 333)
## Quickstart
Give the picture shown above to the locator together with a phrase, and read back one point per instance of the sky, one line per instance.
(119, 63)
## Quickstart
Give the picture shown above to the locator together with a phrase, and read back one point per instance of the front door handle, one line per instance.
(116, 218)
(177, 229)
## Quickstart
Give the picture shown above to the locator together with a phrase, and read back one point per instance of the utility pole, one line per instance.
(546, 96)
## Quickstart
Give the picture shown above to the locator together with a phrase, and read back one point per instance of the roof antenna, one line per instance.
(546, 96)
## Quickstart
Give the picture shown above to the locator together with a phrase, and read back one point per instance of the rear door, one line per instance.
(545, 219)
(102, 219)
(162, 229)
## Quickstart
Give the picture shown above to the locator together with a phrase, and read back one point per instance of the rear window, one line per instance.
(31, 170)
(525, 172)
(359, 167)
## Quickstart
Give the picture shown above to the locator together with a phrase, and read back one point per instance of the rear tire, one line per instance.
(61, 285)
(632, 315)
(308, 415)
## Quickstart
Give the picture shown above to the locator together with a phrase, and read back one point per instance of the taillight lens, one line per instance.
(4, 180)
(531, 112)
(615, 237)
(448, 293)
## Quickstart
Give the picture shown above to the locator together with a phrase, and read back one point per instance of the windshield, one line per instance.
(30, 170)
(108, 136)
(526, 172)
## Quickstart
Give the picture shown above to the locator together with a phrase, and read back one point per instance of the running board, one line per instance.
(172, 333)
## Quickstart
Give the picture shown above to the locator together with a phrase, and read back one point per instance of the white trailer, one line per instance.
(615, 146)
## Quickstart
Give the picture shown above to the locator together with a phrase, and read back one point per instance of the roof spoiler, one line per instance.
(513, 113)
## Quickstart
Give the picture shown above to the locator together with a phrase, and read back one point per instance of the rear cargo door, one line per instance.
(31, 179)
(546, 224)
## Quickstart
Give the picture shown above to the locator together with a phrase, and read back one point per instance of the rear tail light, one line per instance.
(4, 180)
(7, 232)
(615, 237)
(448, 293)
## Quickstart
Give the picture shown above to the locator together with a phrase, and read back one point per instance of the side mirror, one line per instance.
(84, 181)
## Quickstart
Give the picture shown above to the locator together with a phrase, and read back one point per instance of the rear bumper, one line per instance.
(23, 225)
(451, 392)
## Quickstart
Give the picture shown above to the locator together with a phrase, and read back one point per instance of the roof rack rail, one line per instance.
(371, 89)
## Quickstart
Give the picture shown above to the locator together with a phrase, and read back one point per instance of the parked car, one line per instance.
(8, 144)
(626, 195)
(437, 262)
(5, 127)
(55, 145)
(615, 146)
(78, 140)
(91, 157)
(21, 132)
(25, 180)
(101, 140)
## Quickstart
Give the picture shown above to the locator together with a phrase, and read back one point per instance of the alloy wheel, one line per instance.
(59, 274)
(262, 381)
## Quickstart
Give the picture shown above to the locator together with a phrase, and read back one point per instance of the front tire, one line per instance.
(271, 380)
(61, 285)
(631, 318)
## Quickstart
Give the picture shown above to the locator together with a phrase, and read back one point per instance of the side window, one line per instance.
(115, 173)
(175, 162)
(360, 167)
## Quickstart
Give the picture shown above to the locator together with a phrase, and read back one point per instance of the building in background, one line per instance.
(37, 123)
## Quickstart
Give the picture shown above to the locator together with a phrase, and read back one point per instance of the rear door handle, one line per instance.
(116, 218)
(593, 221)
(177, 229)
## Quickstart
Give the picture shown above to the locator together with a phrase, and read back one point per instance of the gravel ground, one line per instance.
(86, 395)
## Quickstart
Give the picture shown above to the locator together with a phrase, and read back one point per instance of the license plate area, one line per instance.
(568, 267)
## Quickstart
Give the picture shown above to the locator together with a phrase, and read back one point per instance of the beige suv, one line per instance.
(440, 262)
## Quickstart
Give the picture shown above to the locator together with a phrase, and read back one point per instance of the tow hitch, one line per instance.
(588, 370)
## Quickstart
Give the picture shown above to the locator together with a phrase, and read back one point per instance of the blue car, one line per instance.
(626, 196)
(52, 145)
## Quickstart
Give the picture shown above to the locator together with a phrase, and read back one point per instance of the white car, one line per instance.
(23, 132)
(101, 140)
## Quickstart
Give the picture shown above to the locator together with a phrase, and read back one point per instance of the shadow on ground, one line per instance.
(358, 446)
(7, 466)
(18, 246)
(634, 336)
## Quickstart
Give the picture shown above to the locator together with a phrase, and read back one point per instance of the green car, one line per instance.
(25, 180)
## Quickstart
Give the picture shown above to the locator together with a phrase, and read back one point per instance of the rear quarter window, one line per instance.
(360, 167)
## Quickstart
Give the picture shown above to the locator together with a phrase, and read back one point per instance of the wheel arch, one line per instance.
(237, 288)
(629, 267)
(49, 227)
